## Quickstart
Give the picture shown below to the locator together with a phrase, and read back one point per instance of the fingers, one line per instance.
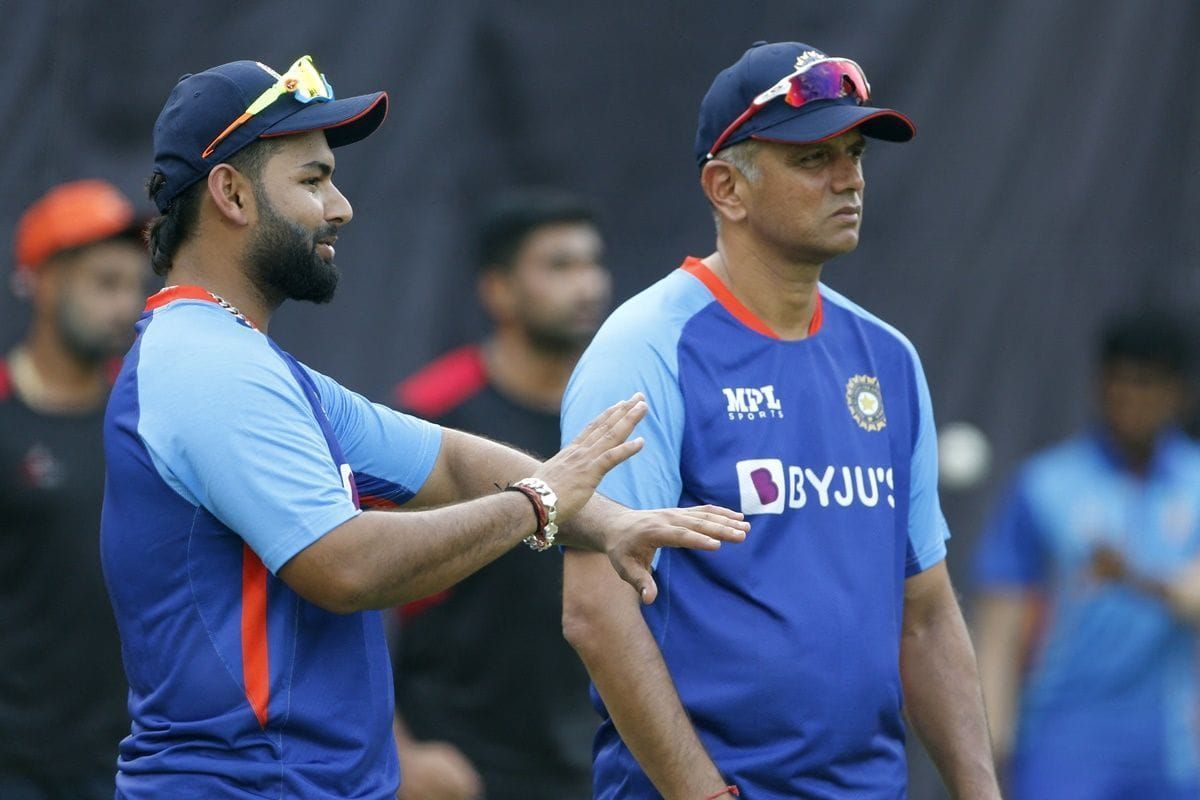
(615, 424)
(718, 510)
(600, 421)
(623, 451)
(708, 520)
(684, 538)
(638, 576)
(604, 420)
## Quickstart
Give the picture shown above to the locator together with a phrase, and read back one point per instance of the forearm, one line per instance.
(602, 621)
(1001, 623)
(381, 559)
(475, 466)
(943, 699)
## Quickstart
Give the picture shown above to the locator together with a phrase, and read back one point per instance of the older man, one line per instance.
(777, 670)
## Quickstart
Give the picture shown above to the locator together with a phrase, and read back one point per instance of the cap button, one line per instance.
(759, 43)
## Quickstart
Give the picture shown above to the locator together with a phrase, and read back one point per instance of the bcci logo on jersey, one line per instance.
(865, 400)
(746, 402)
(766, 486)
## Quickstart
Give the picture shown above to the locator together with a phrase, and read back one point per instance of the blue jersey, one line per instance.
(1113, 683)
(226, 457)
(785, 648)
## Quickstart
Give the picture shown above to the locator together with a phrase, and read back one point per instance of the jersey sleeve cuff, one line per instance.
(287, 549)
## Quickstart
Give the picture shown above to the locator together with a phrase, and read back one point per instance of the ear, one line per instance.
(726, 189)
(45, 285)
(231, 193)
(495, 292)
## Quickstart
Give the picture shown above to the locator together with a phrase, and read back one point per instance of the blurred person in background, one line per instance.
(492, 699)
(81, 266)
(1091, 590)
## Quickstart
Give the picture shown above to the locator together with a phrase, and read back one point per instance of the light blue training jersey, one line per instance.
(226, 457)
(1112, 684)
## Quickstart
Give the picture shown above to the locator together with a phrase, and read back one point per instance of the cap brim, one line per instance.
(833, 120)
(344, 121)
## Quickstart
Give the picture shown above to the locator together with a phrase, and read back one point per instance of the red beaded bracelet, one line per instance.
(539, 508)
(730, 790)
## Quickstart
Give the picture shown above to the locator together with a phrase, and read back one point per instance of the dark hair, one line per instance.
(167, 232)
(1149, 337)
(514, 215)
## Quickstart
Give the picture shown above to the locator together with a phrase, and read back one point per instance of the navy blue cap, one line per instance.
(201, 106)
(760, 68)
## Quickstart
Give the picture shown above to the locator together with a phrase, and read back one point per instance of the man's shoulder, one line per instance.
(199, 329)
(1065, 460)
(201, 352)
(656, 315)
(443, 384)
(881, 331)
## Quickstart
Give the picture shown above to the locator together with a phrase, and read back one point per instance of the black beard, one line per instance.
(283, 260)
(556, 341)
(88, 345)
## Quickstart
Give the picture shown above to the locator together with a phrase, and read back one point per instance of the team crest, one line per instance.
(866, 402)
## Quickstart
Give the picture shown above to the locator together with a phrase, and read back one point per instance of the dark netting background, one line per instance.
(1055, 176)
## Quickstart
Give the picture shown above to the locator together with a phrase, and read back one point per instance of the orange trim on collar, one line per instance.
(726, 298)
(173, 293)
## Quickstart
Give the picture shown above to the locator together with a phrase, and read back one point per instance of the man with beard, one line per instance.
(492, 698)
(62, 692)
(243, 565)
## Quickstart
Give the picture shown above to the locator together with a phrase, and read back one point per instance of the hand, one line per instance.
(576, 471)
(436, 771)
(1108, 563)
(633, 537)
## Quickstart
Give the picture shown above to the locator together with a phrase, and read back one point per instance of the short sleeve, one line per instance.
(239, 437)
(391, 453)
(927, 529)
(613, 368)
(1010, 552)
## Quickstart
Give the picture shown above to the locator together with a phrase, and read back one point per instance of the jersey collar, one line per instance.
(721, 293)
(170, 294)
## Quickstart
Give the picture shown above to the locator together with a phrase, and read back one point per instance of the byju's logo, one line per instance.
(760, 481)
(766, 486)
(748, 402)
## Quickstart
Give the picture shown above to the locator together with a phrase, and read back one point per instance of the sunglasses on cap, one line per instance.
(822, 79)
(302, 81)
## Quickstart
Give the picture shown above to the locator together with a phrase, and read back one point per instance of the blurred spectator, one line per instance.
(484, 680)
(82, 268)
(1091, 581)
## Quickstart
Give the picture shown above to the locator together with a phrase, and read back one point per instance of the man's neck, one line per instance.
(532, 376)
(51, 378)
(782, 294)
(223, 275)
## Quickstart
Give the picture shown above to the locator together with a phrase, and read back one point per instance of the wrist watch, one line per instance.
(543, 537)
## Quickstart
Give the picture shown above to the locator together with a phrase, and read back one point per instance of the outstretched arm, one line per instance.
(941, 686)
(381, 559)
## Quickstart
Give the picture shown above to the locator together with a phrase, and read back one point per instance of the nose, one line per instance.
(848, 175)
(597, 283)
(337, 208)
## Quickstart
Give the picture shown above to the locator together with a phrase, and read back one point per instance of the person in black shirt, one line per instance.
(492, 702)
(80, 264)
